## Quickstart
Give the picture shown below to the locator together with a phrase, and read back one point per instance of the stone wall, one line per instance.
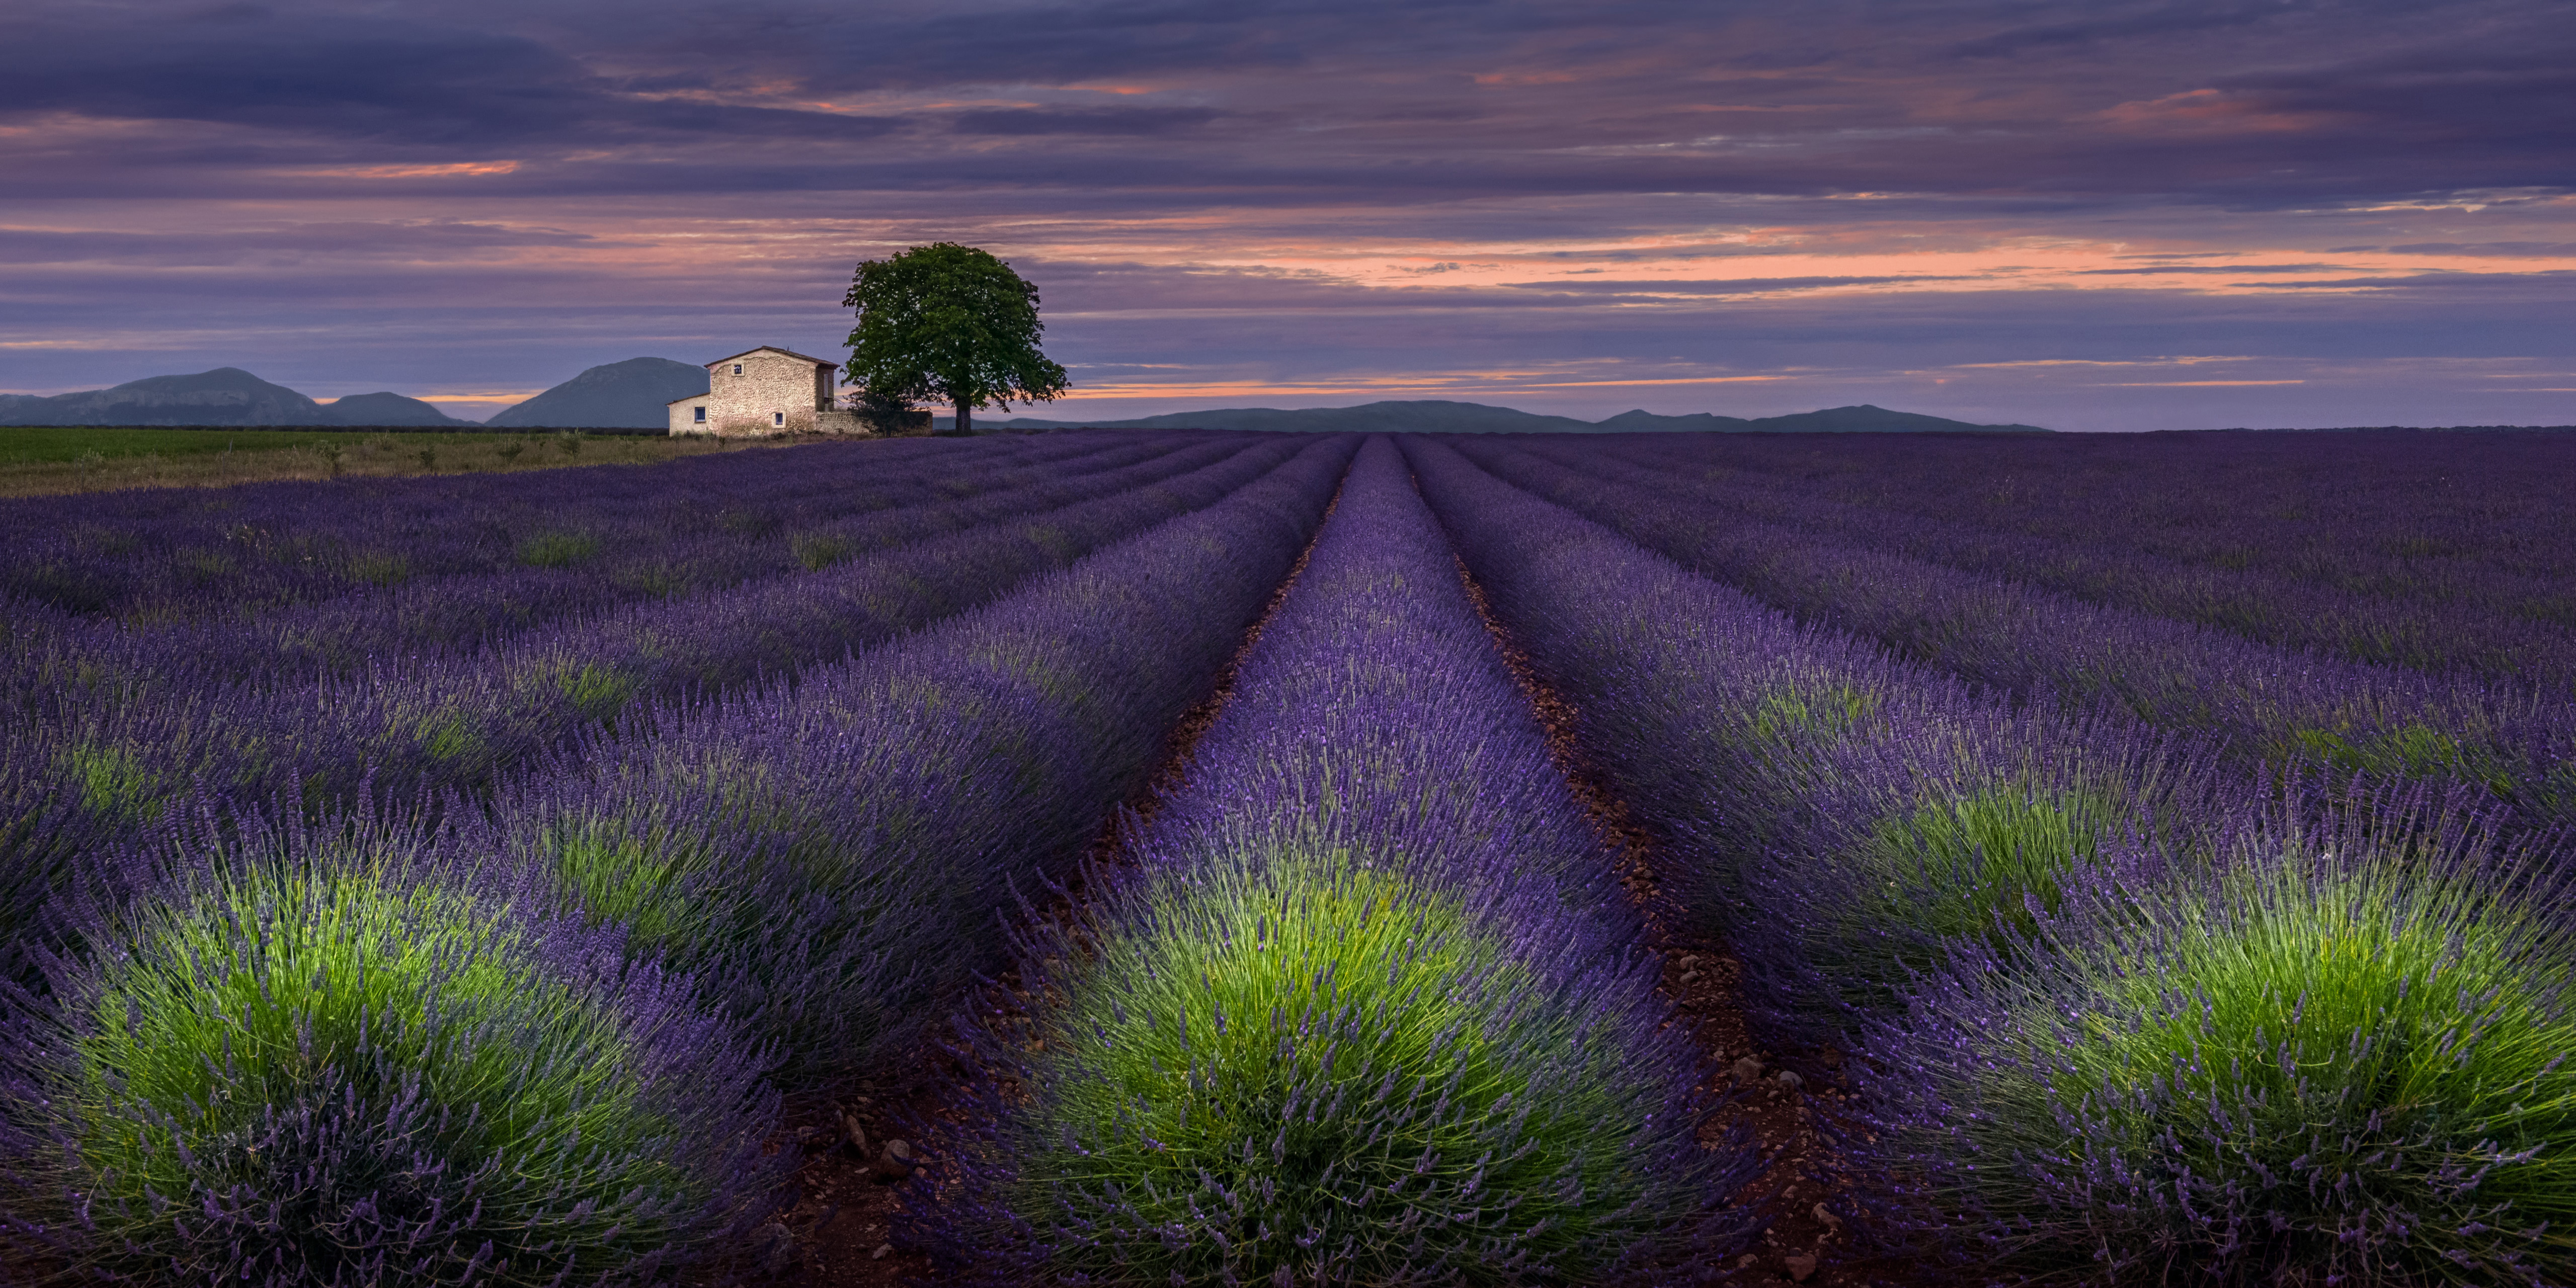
(684, 418)
(838, 420)
(765, 392)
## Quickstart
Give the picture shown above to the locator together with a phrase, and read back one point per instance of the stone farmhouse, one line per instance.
(767, 390)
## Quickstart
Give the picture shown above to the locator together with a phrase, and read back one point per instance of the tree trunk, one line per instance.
(965, 419)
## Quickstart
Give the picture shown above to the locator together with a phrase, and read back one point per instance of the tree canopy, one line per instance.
(952, 324)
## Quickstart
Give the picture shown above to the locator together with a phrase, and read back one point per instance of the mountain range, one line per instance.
(1435, 417)
(633, 394)
(223, 396)
(620, 395)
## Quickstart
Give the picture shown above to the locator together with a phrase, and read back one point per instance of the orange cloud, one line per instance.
(1680, 380)
(408, 171)
(2209, 111)
(483, 396)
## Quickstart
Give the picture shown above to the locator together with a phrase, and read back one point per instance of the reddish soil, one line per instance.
(1803, 1191)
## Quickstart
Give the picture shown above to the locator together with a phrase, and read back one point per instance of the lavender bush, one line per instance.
(2343, 1058)
(344, 1055)
(1368, 1009)
(42, 840)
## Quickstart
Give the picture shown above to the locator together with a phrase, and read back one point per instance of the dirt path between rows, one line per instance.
(1803, 1191)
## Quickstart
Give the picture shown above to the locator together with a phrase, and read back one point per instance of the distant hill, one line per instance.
(386, 409)
(621, 395)
(223, 396)
(1433, 417)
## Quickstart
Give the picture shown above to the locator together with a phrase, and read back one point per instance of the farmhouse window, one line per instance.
(778, 418)
(737, 368)
(701, 414)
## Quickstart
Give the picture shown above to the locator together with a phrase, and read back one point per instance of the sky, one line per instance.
(2104, 215)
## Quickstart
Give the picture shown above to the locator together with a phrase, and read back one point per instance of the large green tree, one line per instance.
(949, 323)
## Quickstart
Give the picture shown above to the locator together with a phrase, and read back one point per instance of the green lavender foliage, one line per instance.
(1326, 1069)
(1982, 862)
(346, 1060)
(2345, 1059)
(1959, 824)
(557, 549)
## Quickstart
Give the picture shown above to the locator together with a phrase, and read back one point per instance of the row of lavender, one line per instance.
(1366, 1005)
(570, 560)
(2124, 1012)
(2431, 515)
(527, 1044)
(2441, 553)
(84, 764)
(2269, 704)
(153, 556)
(823, 851)
(2433, 512)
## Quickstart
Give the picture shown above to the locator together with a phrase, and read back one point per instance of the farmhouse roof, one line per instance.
(771, 348)
(689, 398)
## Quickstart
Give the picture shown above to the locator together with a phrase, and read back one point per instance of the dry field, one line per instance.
(43, 461)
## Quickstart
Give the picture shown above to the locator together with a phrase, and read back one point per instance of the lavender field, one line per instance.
(1203, 858)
